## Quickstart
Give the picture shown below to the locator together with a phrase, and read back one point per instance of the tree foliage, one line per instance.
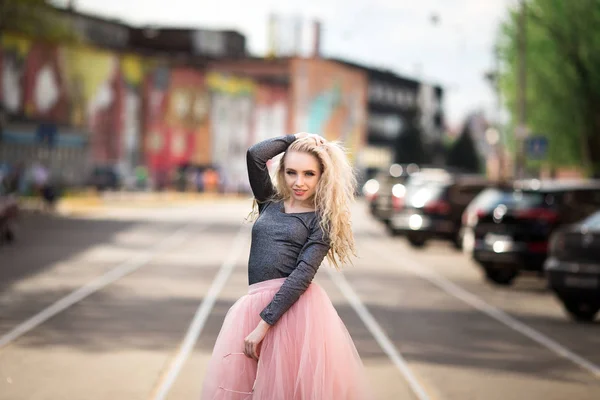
(563, 77)
(410, 147)
(463, 153)
(35, 18)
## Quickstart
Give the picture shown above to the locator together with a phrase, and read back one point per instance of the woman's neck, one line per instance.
(292, 204)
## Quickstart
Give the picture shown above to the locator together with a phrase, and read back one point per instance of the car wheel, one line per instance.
(581, 311)
(9, 235)
(392, 231)
(503, 276)
(416, 240)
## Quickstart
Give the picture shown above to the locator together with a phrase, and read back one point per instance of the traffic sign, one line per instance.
(536, 147)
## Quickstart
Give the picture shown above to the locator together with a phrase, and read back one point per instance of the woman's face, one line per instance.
(302, 173)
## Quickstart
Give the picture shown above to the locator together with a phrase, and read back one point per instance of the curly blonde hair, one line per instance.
(333, 197)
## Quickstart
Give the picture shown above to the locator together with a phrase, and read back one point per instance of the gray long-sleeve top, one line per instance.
(290, 246)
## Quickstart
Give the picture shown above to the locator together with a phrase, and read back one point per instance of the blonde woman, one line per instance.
(284, 340)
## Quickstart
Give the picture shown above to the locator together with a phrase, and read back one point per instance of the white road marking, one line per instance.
(425, 272)
(102, 281)
(384, 342)
(202, 314)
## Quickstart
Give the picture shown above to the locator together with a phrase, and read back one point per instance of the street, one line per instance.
(126, 303)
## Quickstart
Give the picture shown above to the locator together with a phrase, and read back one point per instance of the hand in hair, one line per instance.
(318, 138)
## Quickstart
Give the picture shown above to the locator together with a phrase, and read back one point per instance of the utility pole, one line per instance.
(521, 130)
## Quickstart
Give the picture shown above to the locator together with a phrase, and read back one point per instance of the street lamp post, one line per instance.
(521, 130)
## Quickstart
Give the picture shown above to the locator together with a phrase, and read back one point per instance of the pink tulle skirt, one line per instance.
(307, 355)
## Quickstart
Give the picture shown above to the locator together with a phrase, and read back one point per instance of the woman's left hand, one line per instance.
(317, 138)
(253, 340)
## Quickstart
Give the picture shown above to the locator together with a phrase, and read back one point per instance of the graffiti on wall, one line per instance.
(270, 113)
(330, 99)
(177, 119)
(133, 110)
(232, 101)
(94, 92)
(33, 83)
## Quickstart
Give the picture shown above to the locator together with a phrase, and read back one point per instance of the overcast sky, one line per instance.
(395, 34)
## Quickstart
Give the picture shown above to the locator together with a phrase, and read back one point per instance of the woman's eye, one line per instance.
(310, 174)
(290, 173)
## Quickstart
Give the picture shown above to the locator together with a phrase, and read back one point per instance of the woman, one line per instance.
(284, 340)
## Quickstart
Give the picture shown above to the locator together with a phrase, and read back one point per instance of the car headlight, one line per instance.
(415, 222)
(399, 190)
(370, 187)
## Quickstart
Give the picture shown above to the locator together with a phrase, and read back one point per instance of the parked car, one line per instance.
(509, 227)
(9, 211)
(385, 189)
(573, 267)
(105, 177)
(433, 206)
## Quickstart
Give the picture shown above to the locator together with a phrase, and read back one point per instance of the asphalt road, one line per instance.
(126, 303)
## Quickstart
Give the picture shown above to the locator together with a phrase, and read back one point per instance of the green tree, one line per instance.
(462, 153)
(36, 18)
(563, 77)
(410, 147)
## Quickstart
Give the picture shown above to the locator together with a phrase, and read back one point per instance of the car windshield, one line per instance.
(491, 198)
(421, 192)
(386, 179)
(592, 222)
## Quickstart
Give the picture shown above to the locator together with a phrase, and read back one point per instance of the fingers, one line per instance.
(250, 350)
(254, 351)
(319, 140)
(301, 135)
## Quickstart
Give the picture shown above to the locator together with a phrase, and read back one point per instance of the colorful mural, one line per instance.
(232, 108)
(329, 99)
(270, 113)
(77, 91)
(128, 110)
(177, 120)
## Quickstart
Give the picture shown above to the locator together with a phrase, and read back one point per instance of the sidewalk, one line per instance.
(90, 201)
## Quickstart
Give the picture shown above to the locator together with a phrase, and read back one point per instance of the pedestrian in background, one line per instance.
(284, 339)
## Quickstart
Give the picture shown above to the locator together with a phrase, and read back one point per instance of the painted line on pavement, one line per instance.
(426, 273)
(201, 316)
(97, 284)
(378, 333)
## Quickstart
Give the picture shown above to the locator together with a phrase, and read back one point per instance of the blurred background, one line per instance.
(147, 96)
(473, 127)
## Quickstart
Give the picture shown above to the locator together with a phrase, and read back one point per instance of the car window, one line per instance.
(392, 180)
(578, 204)
(463, 195)
(517, 199)
(419, 193)
(592, 222)
(588, 197)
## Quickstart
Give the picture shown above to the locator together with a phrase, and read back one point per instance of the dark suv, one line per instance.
(507, 229)
(433, 206)
(573, 267)
(382, 190)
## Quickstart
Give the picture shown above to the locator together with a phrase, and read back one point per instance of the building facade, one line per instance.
(399, 110)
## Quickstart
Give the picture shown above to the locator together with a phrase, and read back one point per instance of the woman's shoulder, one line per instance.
(263, 205)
